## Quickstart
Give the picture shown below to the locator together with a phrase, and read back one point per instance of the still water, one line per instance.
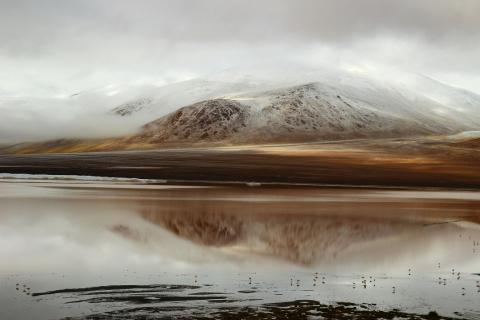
(130, 250)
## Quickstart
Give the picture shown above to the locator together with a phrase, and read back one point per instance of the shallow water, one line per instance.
(196, 251)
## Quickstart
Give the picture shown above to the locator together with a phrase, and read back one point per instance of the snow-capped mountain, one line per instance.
(330, 105)
(255, 105)
(422, 91)
(319, 110)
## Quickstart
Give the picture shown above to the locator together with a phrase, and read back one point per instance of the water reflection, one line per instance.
(246, 244)
(307, 227)
(299, 238)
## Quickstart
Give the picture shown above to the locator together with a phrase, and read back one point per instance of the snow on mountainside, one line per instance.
(415, 91)
(454, 103)
(165, 99)
(336, 105)
(278, 104)
(305, 112)
(346, 107)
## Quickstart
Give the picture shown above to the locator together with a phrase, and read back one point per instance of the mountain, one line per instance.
(271, 105)
(306, 112)
(301, 106)
(210, 120)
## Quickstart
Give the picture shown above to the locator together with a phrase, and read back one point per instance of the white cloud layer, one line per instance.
(58, 46)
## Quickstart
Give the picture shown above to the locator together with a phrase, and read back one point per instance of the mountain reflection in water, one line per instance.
(140, 244)
(299, 238)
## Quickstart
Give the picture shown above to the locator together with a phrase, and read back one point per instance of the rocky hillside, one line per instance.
(210, 120)
(299, 113)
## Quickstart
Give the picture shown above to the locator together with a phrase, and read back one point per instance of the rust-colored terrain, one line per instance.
(422, 162)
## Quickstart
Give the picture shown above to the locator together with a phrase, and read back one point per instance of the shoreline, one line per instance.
(44, 178)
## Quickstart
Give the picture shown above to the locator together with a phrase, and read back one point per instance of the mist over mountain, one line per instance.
(249, 106)
(318, 110)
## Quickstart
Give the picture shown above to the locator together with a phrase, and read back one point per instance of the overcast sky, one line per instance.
(59, 47)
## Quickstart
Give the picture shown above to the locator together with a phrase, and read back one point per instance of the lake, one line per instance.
(127, 249)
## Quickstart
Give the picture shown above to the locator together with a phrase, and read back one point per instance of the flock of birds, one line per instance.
(315, 279)
(372, 280)
(363, 283)
(21, 287)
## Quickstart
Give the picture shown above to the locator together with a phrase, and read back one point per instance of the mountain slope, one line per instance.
(211, 120)
(457, 104)
(168, 98)
(306, 112)
(411, 95)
